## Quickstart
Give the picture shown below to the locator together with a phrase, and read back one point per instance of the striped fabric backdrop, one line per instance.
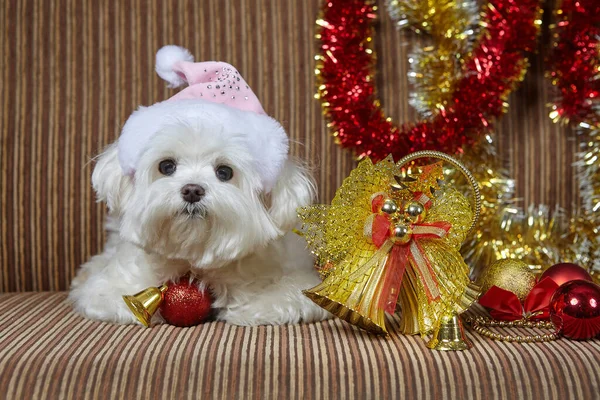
(71, 72)
(54, 354)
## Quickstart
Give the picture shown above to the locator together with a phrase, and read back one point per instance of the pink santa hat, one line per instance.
(213, 88)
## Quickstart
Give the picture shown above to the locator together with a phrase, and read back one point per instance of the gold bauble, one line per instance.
(414, 212)
(512, 275)
(401, 233)
(389, 207)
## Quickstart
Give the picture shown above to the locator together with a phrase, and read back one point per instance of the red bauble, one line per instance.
(185, 304)
(566, 272)
(575, 309)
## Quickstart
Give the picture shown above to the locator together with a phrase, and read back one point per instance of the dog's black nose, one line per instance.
(192, 193)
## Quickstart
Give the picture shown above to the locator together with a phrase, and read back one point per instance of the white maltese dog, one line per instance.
(202, 183)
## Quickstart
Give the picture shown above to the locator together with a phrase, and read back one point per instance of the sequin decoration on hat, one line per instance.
(214, 81)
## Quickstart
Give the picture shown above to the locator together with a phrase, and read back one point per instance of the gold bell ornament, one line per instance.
(392, 236)
(145, 303)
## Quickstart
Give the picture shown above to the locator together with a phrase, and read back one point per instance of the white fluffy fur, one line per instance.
(263, 137)
(166, 58)
(234, 239)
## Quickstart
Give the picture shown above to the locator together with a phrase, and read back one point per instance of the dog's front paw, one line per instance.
(265, 312)
(109, 308)
(314, 313)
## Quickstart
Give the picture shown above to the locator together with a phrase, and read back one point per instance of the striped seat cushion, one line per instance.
(47, 351)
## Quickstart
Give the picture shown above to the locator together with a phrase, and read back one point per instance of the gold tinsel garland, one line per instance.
(435, 69)
(538, 235)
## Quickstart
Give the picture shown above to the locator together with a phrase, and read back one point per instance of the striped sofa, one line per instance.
(71, 71)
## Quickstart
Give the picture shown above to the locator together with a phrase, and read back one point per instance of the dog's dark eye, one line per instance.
(167, 167)
(224, 173)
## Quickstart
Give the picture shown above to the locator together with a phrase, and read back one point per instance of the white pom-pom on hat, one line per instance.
(166, 58)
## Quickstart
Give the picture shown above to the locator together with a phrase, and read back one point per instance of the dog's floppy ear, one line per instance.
(108, 180)
(294, 188)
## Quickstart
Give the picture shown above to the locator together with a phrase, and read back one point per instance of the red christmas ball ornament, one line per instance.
(566, 272)
(185, 304)
(575, 309)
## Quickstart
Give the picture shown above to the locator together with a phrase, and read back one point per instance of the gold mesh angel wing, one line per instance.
(451, 206)
(335, 232)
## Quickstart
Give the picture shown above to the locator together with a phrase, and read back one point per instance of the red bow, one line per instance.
(505, 305)
(401, 254)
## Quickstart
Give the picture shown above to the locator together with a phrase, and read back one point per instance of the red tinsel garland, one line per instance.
(347, 88)
(574, 64)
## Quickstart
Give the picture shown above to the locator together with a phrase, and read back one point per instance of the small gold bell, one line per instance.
(389, 206)
(415, 212)
(450, 335)
(145, 303)
(401, 233)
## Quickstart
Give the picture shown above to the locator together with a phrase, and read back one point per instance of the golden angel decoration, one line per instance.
(391, 236)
